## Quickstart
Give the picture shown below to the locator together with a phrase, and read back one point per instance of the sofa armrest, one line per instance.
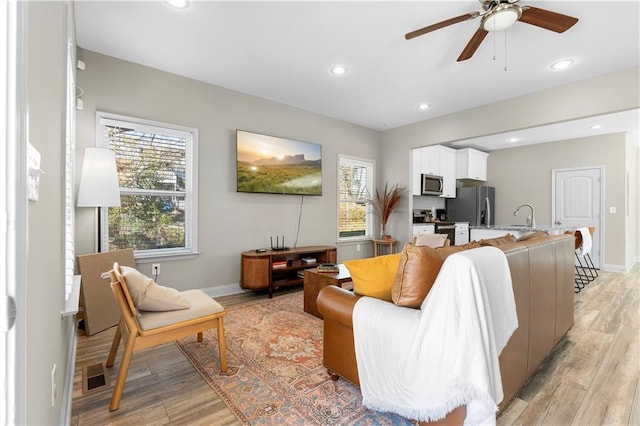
(337, 303)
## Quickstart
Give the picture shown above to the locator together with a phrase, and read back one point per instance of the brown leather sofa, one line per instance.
(542, 277)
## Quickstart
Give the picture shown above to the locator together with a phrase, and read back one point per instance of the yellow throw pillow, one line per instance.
(374, 276)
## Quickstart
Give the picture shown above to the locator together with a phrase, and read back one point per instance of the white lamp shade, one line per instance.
(99, 179)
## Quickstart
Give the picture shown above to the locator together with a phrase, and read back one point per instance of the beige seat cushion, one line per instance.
(147, 295)
(430, 240)
(201, 304)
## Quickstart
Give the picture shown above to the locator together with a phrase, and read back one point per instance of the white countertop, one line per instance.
(551, 229)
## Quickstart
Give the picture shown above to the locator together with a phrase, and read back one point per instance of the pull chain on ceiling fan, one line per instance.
(499, 15)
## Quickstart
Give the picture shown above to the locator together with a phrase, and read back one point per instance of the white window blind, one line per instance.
(69, 161)
(355, 186)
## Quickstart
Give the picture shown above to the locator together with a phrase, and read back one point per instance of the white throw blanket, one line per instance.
(585, 248)
(422, 364)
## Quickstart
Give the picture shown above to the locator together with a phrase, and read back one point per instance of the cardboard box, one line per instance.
(101, 309)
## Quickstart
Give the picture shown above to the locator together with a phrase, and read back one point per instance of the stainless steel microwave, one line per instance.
(431, 185)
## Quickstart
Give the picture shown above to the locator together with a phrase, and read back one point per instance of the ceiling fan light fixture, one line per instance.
(501, 17)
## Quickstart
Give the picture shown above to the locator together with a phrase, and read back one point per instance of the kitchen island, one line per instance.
(492, 231)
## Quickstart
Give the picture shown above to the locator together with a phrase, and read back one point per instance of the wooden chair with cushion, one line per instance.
(432, 240)
(169, 316)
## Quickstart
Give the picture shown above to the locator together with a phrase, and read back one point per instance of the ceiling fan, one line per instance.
(499, 15)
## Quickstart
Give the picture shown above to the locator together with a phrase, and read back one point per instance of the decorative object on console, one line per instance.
(328, 268)
(385, 202)
(268, 164)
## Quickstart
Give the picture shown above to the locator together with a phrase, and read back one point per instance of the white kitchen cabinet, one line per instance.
(462, 233)
(431, 160)
(448, 171)
(416, 188)
(423, 229)
(471, 164)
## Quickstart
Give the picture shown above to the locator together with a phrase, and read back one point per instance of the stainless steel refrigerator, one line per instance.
(473, 204)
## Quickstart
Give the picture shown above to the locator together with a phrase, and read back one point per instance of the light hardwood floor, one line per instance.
(591, 377)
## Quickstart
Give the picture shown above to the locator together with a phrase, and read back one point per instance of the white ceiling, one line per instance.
(284, 51)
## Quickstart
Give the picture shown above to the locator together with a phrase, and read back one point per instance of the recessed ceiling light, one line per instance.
(180, 4)
(339, 70)
(423, 106)
(512, 140)
(596, 126)
(562, 64)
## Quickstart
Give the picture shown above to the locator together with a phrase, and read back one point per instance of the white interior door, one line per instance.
(577, 203)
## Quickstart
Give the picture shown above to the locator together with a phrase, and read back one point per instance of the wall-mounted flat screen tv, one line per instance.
(274, 165)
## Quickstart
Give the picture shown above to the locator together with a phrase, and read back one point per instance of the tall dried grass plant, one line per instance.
(385, 202)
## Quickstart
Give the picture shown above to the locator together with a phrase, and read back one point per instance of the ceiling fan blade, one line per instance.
(547, 19)
(473, 45)
(442, 24)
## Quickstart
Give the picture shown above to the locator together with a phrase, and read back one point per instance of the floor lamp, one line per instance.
(99, 183)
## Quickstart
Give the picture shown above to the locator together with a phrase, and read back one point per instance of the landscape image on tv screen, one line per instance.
(275, 165)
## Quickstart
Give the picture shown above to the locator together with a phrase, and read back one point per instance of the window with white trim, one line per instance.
(157, 174)
(355, 186)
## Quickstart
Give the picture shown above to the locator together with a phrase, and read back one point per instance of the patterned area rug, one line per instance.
(275, 373)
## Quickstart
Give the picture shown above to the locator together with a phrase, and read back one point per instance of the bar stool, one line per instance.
(585, 269)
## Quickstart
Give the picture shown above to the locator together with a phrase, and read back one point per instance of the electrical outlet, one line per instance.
(357, 247)
(155, 268)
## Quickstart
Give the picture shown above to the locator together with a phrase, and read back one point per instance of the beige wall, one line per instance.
(47, 333)
(229, 222)
(576, 100)
(524, 175)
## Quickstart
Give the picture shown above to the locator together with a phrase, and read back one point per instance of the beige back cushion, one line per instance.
(430, 240)
(147, 295)
(418, 269)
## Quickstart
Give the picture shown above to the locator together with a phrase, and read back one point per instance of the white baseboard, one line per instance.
(619, 268)
(223, 290)
(67, 398)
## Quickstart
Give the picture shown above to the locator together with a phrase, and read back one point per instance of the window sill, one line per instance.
(165, 257)
(354, 240)
(73, 301)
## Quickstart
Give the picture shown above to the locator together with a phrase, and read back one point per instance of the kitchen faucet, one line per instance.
(532, 218)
